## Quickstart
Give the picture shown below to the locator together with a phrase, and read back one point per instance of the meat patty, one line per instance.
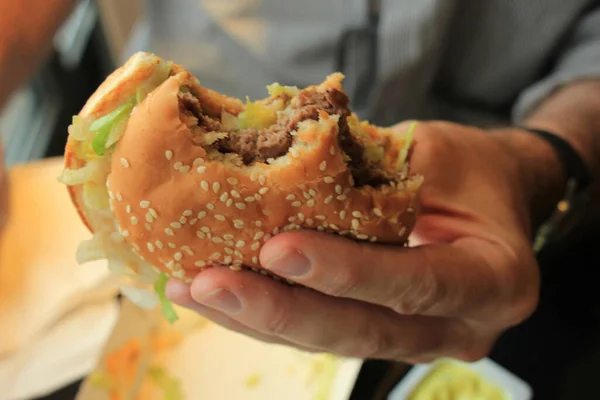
(259, 145)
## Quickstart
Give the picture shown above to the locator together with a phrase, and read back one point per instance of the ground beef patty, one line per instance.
(255, 145)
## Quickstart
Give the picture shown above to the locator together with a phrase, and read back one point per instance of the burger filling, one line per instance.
(264, 131)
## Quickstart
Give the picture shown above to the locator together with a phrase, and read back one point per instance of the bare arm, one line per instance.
(26, 32)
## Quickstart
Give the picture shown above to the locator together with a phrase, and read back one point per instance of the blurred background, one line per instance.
(89, 45)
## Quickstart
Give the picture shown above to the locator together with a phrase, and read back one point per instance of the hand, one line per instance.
(470, 275)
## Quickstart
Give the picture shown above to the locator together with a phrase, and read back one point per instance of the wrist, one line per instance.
(542, 179)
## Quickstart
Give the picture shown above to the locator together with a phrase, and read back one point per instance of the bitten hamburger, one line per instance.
(173, 178)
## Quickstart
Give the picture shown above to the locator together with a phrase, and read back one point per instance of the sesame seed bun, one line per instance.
(182, 206)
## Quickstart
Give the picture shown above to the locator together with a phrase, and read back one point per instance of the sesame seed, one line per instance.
(144, 204)
(217, 239)
(159, 244)
(133, 220)
(325, 224)
(229, 202)
(334, 227)
(362, 236)
(240, 206)
(377, 212)
(332, 150)
(306, 195)
(119, 197)
(227, 259)
(373, 239)
(111, 195)
(201, 235)
(215, 255)
(224, 197)
(355, 224)
(125, 233)
(201, 214)
(152, 212)
(310, 203)
(227, 236)
(240, 243)
(267, 237)
(228, 250)
(328, 179)
(357, 214)
(128, 209)
(296, 204)
(258, 235)
(235, 267)
(323, 165)
(290, 197)
(238, 254)
(170, 264)
(275, 230)
(350, 180)
(201, 169)
(338, 189)
(216, 187)
(258, 223)
(219, 217)
(294, 152)
(301, 216)
(185, 169)
(257, 196)
(169, 231)
(232, 181)
(264, 211)
(200, 263)
(182, 220)
(135, 247)
(124, 162)
(178, 165)
(262, 180)
(178, 256)
(312, 192)
(320, 217)
(205, 229)
(210, 206)
(187, 213)
(320, 228)
(255, 246)
(235, 193)
(292, 218)
(229, 243)
(169, 154)
(263, 190)
(249, 199)
(193, 221)
(402, 231)
(171, 245)
(342, 214)
(328, 199)
(150, 247)
(176, 225)
(310, 221)
(239, 224)
(342, 197)
(255, 260)
(204, 185)
(149, 217)
(148, 227)
(198, 161)
(253, 176)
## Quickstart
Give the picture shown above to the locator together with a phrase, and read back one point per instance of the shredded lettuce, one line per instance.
(170, 386)
(407, 143)
(275, 89)
(256, 116)
(104, 125)
(160, 286)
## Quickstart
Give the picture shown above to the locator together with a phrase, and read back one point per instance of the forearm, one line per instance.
(27, 29)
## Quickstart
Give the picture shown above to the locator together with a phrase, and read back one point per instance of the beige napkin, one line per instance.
(52, 310)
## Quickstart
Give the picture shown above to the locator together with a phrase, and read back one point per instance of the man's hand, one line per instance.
(469, 275)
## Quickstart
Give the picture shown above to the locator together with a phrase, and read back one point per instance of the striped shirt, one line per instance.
(470, 61)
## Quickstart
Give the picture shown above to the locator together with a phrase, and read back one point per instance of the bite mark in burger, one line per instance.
(172, 178)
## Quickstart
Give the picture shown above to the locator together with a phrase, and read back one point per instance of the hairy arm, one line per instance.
(26, 32)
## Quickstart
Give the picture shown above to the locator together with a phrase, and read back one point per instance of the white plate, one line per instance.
(515, 387)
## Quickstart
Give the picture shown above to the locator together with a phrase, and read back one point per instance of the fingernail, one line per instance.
(222, 300)
(292, 264)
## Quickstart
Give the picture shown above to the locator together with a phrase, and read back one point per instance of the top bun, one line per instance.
(197, 179)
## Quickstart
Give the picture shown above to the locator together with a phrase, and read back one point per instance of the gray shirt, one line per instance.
(470, 61)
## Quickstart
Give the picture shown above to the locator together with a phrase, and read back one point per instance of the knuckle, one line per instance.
(374, 343)
(422, 295)
(278, 321)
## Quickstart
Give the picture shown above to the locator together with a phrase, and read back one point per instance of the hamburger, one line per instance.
(172, 177)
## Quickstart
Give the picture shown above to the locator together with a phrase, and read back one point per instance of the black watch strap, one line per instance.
(565, 216)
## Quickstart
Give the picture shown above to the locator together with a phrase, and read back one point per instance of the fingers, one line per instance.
(435, 280)
(179, 293)
(310, 319)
